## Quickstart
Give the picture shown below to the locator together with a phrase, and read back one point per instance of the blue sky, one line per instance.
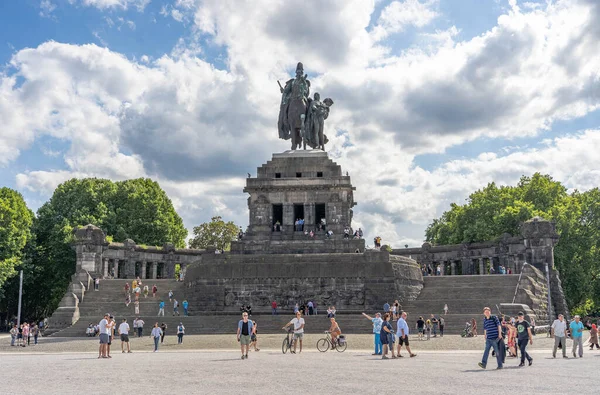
(435, 97)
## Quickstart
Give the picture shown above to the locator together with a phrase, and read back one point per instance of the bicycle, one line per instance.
(288, 342)
(340, 345)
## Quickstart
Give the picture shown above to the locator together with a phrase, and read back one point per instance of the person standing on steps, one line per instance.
(180, 333)
(156, 332)
(124, 334)
(161, 309)
(493, 333)
(442, 323)
(298, 323)
(175, 307)
(185, 305)
(170, 296)
(445, 309)
(402, 332)
(577, 335)
(377, 323)
(244, 332)
(154, 290)
(523, 336)
(274, 308)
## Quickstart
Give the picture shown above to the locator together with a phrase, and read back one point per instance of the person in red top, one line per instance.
(154, 290)
(274, 307)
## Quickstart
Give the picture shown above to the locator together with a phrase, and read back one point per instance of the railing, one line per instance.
(519, 282)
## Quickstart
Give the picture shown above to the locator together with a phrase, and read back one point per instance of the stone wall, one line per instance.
(349, 281)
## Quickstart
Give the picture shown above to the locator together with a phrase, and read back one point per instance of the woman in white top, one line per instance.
(445, 309)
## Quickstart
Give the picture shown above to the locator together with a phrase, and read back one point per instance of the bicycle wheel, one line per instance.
(341, 347)
(323, 345)
(286, 345)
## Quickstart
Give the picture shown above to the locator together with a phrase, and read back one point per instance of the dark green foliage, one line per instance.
(136, 209)
(216, 233)
(494, 210)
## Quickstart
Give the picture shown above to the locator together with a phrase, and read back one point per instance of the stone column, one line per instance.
(453, 268)
(154, 269)
(443, 268)
(116, 263)
(481, 267)
(105, 267)
(144, 263)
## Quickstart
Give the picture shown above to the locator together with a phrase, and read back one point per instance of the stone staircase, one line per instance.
(465, 295)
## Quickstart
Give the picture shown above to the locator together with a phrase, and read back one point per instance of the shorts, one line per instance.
(403, 341)
(253, 337)
(298, 335)
(125, 338)
(420, 330)
(104, 338)
(110, 340)
(245, 340)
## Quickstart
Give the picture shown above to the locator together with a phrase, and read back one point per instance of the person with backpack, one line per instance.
(492, 331)
(180, 333)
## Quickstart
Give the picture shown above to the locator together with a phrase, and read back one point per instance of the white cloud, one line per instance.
(398, 15)
(198, 129)
(107, 4)
(47, 7)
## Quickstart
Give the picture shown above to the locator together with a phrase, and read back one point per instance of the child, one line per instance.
(428, 328)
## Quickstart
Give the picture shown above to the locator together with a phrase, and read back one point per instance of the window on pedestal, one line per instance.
(319, 213)
(298, 175)
(277, 175)
(319, 174)
(298, 211)
(277, 217)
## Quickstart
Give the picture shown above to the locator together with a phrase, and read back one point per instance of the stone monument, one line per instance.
(301, 118)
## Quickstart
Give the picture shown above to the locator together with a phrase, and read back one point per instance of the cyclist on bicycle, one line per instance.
(335, 331)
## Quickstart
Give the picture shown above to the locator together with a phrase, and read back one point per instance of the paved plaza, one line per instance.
(173, 370)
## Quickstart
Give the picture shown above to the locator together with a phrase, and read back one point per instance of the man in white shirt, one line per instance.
(298, 323)
(124, 333)
(402, 332)
(559, 331)
(102, 326)
(140, 327)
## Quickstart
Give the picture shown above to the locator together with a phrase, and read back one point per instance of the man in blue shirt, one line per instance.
(386, 307)
(377, 322)
(577, 335)
(493, 333)
(402, 333)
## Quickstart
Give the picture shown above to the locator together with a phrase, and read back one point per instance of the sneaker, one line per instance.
(413, 355)
(500, 367)
(530, 362)
(565, 357)
(243, 356)
(521, 364)
(246, 356)
(384, 357)
(481, 365)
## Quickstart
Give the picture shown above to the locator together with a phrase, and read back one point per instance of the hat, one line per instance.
(107, 315)
(299, 67)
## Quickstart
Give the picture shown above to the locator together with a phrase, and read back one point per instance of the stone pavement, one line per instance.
(271, 372)
(266, 342)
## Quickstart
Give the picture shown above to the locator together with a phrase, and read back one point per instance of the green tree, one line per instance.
(216, 233)
(494, 210)
(138, 209)
(15, 231)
